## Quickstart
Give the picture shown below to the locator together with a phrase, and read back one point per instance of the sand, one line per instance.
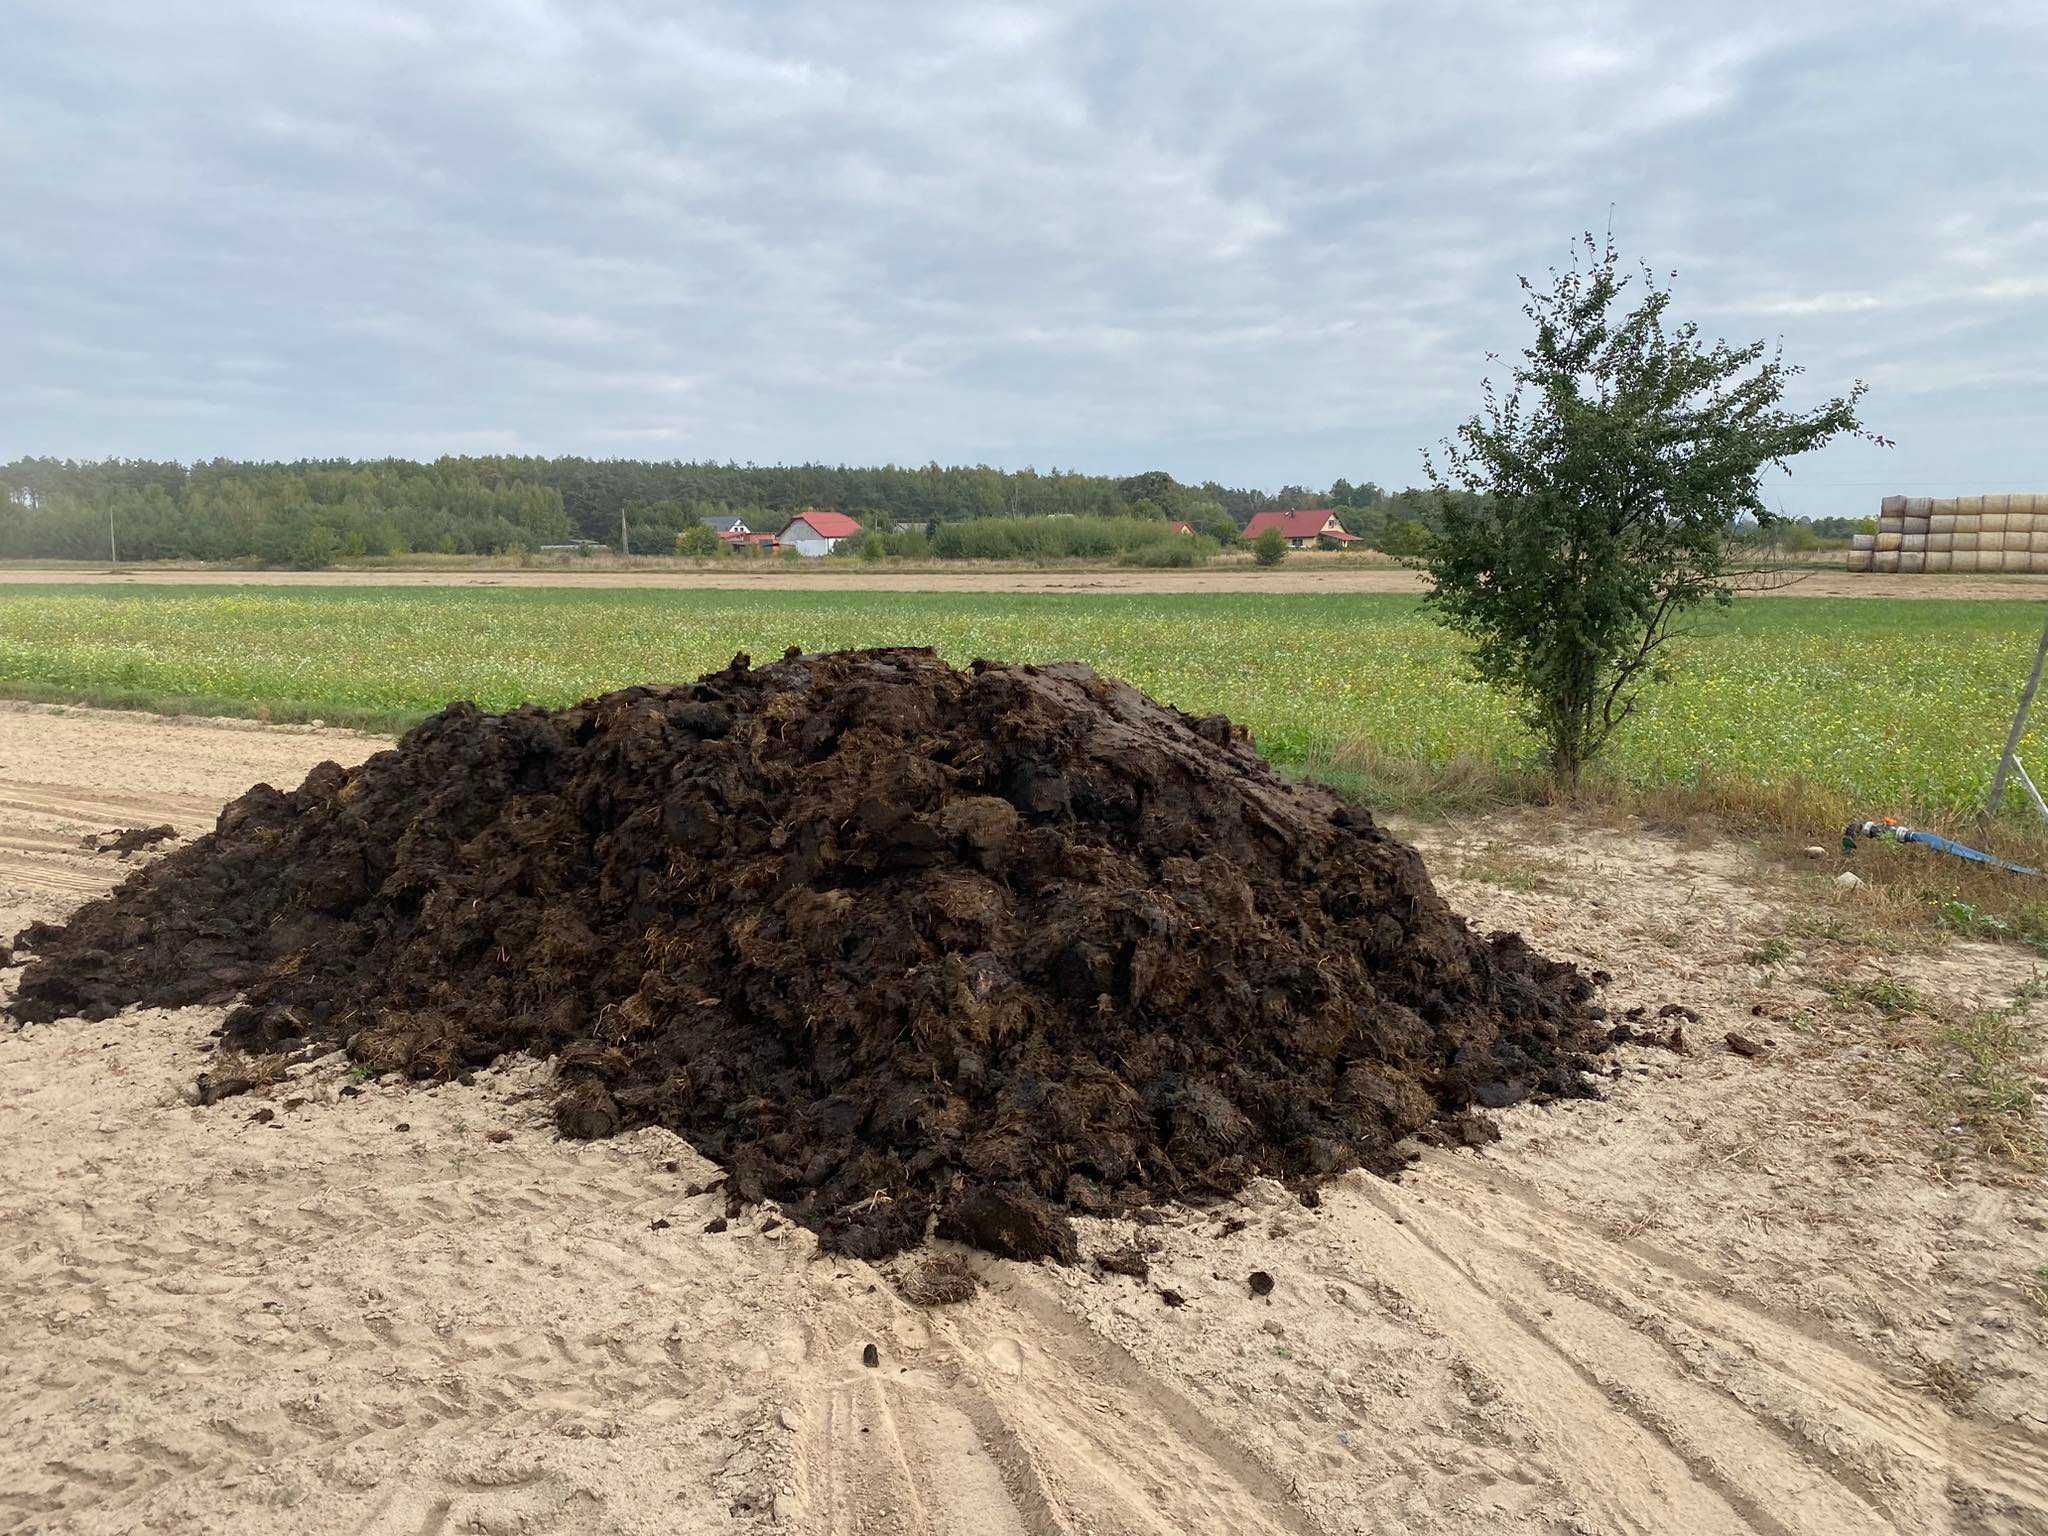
(1301, 573)
(1736, 1296)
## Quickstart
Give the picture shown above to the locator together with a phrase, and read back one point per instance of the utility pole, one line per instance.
(625, 543)
(113, 556)
(2011, 759)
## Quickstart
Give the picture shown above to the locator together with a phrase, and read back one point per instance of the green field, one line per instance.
(1900, 706)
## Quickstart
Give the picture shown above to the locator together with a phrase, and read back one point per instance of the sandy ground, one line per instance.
(1734, 1296)
(1301, 573)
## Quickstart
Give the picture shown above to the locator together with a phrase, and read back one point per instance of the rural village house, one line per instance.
(1304, 529)
(817, 533)
(725, 525)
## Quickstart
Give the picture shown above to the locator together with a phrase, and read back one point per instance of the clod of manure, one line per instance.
(1126, 1260)
(870, 1355)
(1261, 1283)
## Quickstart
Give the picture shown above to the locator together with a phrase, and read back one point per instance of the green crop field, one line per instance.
(1900, 706)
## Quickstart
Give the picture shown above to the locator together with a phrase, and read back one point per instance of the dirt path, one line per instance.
(1732, 1297)
(1301, 574)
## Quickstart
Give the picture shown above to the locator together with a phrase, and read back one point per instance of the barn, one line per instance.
(817, 533)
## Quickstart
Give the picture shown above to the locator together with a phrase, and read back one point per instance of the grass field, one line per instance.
(1898, 707)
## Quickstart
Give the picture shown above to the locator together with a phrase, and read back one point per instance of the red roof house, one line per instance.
(1302, 529)
(1182, 527)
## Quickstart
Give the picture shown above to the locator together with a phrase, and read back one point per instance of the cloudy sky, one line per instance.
(1261, 243)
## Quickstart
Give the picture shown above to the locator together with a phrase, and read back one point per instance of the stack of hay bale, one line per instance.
(1956, 533)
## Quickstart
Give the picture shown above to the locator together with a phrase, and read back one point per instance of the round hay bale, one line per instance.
(1940, 560)
(1892, 506)
(1917, 506)
(1861, 559)
(1940, 543)
(1888, 543)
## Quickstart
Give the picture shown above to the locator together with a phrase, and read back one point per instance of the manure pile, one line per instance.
(887, 940)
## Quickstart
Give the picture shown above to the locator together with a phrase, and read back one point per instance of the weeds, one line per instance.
(1983, 1076)
(1886, 996)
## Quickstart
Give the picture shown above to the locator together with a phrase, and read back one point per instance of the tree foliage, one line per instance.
(1600, 495)
(698, 540)
(1270, 547)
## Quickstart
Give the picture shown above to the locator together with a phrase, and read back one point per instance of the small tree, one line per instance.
(1406, 539)
(1606, 486)
(697, 540)
(1270, 547)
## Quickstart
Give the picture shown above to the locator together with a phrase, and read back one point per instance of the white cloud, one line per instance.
(1263, 244)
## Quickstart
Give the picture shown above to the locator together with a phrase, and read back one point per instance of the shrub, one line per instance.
(1175, 552)
(698, 541)
(1270, 547)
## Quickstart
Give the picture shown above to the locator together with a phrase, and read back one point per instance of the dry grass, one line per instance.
(1510, 868)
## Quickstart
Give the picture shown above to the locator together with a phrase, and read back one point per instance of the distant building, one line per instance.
(817, 533)
(1187, 528)
(744, 543)
(1304, 529)
(724, 525)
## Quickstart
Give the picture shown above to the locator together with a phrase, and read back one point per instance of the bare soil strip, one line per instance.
(1736, 1295)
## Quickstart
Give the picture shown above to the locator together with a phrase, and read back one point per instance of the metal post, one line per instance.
(2019, 727)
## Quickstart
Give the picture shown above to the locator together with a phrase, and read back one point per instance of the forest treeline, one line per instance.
(312, 512)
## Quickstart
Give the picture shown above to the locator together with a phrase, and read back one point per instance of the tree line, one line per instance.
(313, 512)
(316, 511)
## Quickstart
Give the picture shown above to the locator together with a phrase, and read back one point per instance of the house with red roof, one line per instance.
(1187, 528)
(1303, 529)
(817, 533)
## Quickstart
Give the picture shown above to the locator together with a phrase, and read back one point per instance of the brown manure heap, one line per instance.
(888, 941)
